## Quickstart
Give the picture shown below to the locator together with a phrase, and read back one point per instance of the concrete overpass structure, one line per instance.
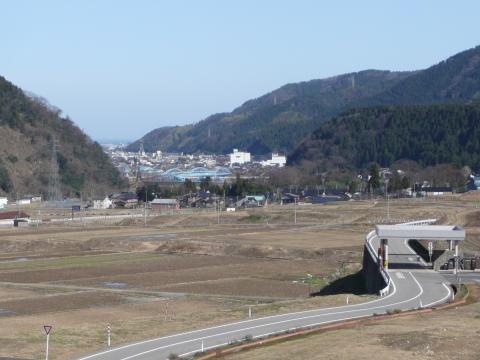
(405, 232)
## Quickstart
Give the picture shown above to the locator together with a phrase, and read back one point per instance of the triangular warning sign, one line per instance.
(47, 329)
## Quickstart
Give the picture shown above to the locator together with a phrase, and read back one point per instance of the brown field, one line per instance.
(185, 271)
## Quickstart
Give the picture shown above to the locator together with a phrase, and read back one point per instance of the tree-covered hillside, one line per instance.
(281, 119)
(428, 134)
(28, 127)
(276, 121)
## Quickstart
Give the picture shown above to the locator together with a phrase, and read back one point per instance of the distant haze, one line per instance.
(120, 69)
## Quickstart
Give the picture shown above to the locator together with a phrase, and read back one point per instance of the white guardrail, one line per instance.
(373, 235)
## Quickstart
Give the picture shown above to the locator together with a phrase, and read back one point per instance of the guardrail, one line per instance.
(421, 222)
(373, 235)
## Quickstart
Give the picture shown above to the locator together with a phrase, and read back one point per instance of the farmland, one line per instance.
(184, 271)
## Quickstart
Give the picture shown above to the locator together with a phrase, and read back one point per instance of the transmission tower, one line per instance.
(53, 180)
(136, 173)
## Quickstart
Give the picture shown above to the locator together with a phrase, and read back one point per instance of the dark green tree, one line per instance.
(205, 183)
(374, 181)
(189, 186)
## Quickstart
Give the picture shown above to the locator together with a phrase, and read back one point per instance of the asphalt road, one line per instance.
(465, 277)
(410, 288)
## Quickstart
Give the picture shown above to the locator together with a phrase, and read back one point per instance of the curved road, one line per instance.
(410, 288)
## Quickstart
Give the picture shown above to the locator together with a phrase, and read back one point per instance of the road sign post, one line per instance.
(47, 329)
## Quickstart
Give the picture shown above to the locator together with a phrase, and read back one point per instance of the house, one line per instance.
(165, 204)
(474, 183)
(288, 198)
(124, 200)
(436, 190)
(12, 218)
(102, 203)
(3, 202)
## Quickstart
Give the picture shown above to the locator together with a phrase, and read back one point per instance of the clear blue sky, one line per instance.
(122, 68)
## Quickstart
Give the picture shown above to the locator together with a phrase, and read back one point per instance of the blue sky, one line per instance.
(122, 68)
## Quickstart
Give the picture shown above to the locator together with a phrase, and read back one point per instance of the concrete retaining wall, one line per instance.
(374, 279)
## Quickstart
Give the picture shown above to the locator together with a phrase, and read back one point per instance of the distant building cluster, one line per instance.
(171, 167)
(241, 157)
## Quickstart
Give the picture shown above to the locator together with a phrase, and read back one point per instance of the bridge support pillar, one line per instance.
(384, 251)
(455, 268)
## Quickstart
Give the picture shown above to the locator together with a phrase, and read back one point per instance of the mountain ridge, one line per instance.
(298, 107)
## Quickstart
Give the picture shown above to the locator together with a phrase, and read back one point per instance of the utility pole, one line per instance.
(145, 208)
(295, 209)
(388, 203)
(53, 181)
(108, 335)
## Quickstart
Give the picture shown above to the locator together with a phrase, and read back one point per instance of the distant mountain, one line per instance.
(275, 121)
(281, 119)
(28, 125)
(455, 80)
(429, 134)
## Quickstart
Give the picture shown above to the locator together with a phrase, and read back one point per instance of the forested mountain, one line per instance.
(427, 134)
(281, 119)
(275, 121)
(28, 127)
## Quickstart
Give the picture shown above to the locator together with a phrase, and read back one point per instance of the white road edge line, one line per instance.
(285, 321)
(237, 323)
(449, 292)
(310, 325)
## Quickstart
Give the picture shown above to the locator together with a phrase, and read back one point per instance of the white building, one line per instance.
(102, 204)
(3, 202)
(276, 160)
(239, 157)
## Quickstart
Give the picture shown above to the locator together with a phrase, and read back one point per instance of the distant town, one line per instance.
(163, 167)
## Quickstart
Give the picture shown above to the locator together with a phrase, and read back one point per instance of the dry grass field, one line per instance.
(184, 271)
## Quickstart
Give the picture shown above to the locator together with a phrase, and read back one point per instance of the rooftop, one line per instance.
(423, 232)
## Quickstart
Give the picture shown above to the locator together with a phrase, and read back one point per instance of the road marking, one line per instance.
(400, 275)
(413, 252)
(288, 320)
(441, 300)
(319, 323)
(278, 322)
(239, 322)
